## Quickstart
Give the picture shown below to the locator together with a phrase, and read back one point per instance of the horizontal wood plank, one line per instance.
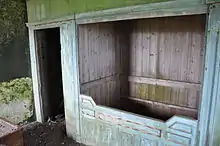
(93, 83)
(168, 83)
(163, 104)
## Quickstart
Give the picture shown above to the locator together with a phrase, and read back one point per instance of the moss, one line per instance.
(17, 89)
(161, 94)
(58, 8)
(12, 21)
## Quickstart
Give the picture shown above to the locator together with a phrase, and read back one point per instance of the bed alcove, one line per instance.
(151, 67)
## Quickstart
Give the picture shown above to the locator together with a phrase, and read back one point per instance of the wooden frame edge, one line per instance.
(35, 77)
(154, 10)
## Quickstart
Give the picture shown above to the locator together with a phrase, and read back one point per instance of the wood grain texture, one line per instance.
(115, 127)
(99, 60)
(38, 101)
(209, 109)
(154, 59)
(168, 83)
(163, 9)
(70, 76)
(162, 49)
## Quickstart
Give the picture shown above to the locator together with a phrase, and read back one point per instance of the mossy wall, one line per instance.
(15, 84)
(48, 9)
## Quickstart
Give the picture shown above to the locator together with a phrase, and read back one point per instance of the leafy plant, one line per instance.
(16, 89)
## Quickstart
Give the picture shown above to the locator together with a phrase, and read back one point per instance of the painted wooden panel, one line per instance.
(38, 101)
(99, 62)
(114, 127)
(96, 51)
(69, 60)
(157, 60)
(172, 49)
(209, 113)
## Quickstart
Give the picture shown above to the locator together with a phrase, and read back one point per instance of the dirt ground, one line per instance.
(48, 134)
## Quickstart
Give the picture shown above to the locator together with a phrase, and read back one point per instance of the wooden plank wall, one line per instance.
(169, 48)
(122, 59)
(99, 62)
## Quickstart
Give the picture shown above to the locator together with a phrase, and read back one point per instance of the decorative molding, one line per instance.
(163, 9)
(175, 131)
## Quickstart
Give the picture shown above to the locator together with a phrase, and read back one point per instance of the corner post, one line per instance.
(69, 59)
(209, 108)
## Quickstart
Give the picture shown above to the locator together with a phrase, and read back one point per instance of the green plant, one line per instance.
(16, 89)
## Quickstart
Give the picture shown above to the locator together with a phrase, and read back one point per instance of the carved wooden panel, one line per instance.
(106, 126)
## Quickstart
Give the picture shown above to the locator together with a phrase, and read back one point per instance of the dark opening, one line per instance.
(49, 51)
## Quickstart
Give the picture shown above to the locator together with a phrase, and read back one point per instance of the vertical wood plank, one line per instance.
(35, 78)
(209, 119)
(86, 54)
(70, 75)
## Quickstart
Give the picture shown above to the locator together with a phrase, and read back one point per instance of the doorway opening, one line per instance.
(50, 71)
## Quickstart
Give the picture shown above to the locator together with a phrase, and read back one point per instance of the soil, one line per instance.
(47, 134)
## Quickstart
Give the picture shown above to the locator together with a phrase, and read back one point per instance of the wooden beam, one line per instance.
(70, 76)
(36, 78)
(209, 109)
(93, 83)
(50, 23)
(161, 82)
(163, 104)
(163, 9)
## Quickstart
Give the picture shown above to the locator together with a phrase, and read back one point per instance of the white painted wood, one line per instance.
(110, 126)
(70, 75)
(35, 77)
(209, 109)
(161, 82)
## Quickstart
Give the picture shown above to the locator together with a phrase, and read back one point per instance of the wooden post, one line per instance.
(35, 77)
(210, 109)
(69, 58)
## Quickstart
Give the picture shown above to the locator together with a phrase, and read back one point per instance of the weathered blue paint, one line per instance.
(69, 60)
(214, 119)
(208, 109)
(105, 126)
